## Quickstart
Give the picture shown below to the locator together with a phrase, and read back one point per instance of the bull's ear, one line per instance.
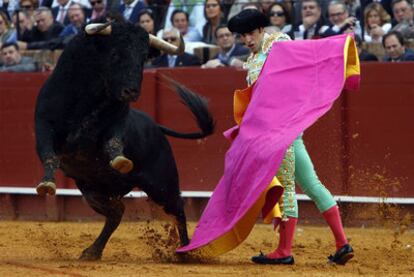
(99, 28)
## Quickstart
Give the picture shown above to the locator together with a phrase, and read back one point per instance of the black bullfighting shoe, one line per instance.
(263, 259)
(122, 164)
(342, 256)
(46, 188)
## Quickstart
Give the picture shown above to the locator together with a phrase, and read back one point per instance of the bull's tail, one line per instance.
(199, 108)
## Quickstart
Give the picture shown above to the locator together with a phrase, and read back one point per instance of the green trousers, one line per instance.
(307, 179)
(298, 167)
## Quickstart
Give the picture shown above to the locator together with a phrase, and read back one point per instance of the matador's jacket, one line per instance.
(287, 204)
(269, 119)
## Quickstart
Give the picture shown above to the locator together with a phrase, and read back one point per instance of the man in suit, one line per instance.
(173, 36)
(340, 20)
(60, 13)
(231, 53)
(131, 8)
(45, 35)
(393, 43)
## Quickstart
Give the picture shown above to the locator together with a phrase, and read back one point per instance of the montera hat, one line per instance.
(247, 21)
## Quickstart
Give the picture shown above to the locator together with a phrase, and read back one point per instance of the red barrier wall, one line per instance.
(363, 146)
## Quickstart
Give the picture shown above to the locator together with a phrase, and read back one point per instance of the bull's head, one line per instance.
(106, 29)
(124, 51)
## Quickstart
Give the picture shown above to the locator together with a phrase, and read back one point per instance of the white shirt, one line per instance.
(128, 9)
(84, 3)
(171, 60)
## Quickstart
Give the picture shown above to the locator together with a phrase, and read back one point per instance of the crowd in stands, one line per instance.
(383, 27)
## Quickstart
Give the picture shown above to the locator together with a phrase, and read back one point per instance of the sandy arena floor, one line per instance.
(146, 249)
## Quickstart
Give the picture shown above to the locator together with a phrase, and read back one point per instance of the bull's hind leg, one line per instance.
(177, 209)
(172, 204)
(113, 209)
(114, 147)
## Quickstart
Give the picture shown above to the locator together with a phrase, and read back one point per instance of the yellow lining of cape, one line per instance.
(351, 58)
(243, 227)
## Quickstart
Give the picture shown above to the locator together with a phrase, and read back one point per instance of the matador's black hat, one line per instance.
(247, 21)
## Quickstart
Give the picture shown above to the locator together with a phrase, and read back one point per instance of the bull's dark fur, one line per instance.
(83, 121)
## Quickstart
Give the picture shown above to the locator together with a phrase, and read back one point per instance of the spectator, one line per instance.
(404, 17)
(7, 33)
(386, 4)
(172, 36)
(98, 8)
(194, 8)
(25, 25)
(44, 35)
(363, 54)
(146, 21)
(265, 4)
(279, 16)
(60, 13)
(180, 20)
(395, 50)
(231, 53)
(377, 22)
(55, 3)
(13, 61)
(312, 23)
(238, 7)
(214, 17)
(353, 7)
(340, 20)
(29, 6)
(76, 16)
(131, 8)
(252, 5)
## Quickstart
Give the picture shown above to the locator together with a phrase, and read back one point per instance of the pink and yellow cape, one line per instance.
(298, 83)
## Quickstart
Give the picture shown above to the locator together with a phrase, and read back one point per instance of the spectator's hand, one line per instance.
(236, 63)
(22, 45)
(47, 67)
(350, 21)
(212, 64)
(376, 31)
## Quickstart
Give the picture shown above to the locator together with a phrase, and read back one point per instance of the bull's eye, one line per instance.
(114, 56)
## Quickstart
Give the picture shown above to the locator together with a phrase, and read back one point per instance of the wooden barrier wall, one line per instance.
(362, 147)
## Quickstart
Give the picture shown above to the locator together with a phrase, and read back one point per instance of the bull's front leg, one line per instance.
(48, 157)
(114, 148)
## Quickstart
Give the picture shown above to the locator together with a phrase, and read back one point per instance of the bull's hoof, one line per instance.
(46, 188)
(122, 164)
(90, 254)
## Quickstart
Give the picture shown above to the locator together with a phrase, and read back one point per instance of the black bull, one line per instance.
(85, 127)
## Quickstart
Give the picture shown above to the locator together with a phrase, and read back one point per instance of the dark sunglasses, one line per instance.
(211, 5)
(280, 14)
(95, 2)
(26, 7)
(172, 39)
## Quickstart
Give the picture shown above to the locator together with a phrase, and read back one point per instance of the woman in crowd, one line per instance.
(7, 33)
(279, 17)
(147, 21)
(377, 22)
(214, 17)
(98, 8)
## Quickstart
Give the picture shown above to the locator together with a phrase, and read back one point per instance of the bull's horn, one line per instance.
(167, 47)
(99, 28)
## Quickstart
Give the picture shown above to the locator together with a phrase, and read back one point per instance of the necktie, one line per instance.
(61, 18)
